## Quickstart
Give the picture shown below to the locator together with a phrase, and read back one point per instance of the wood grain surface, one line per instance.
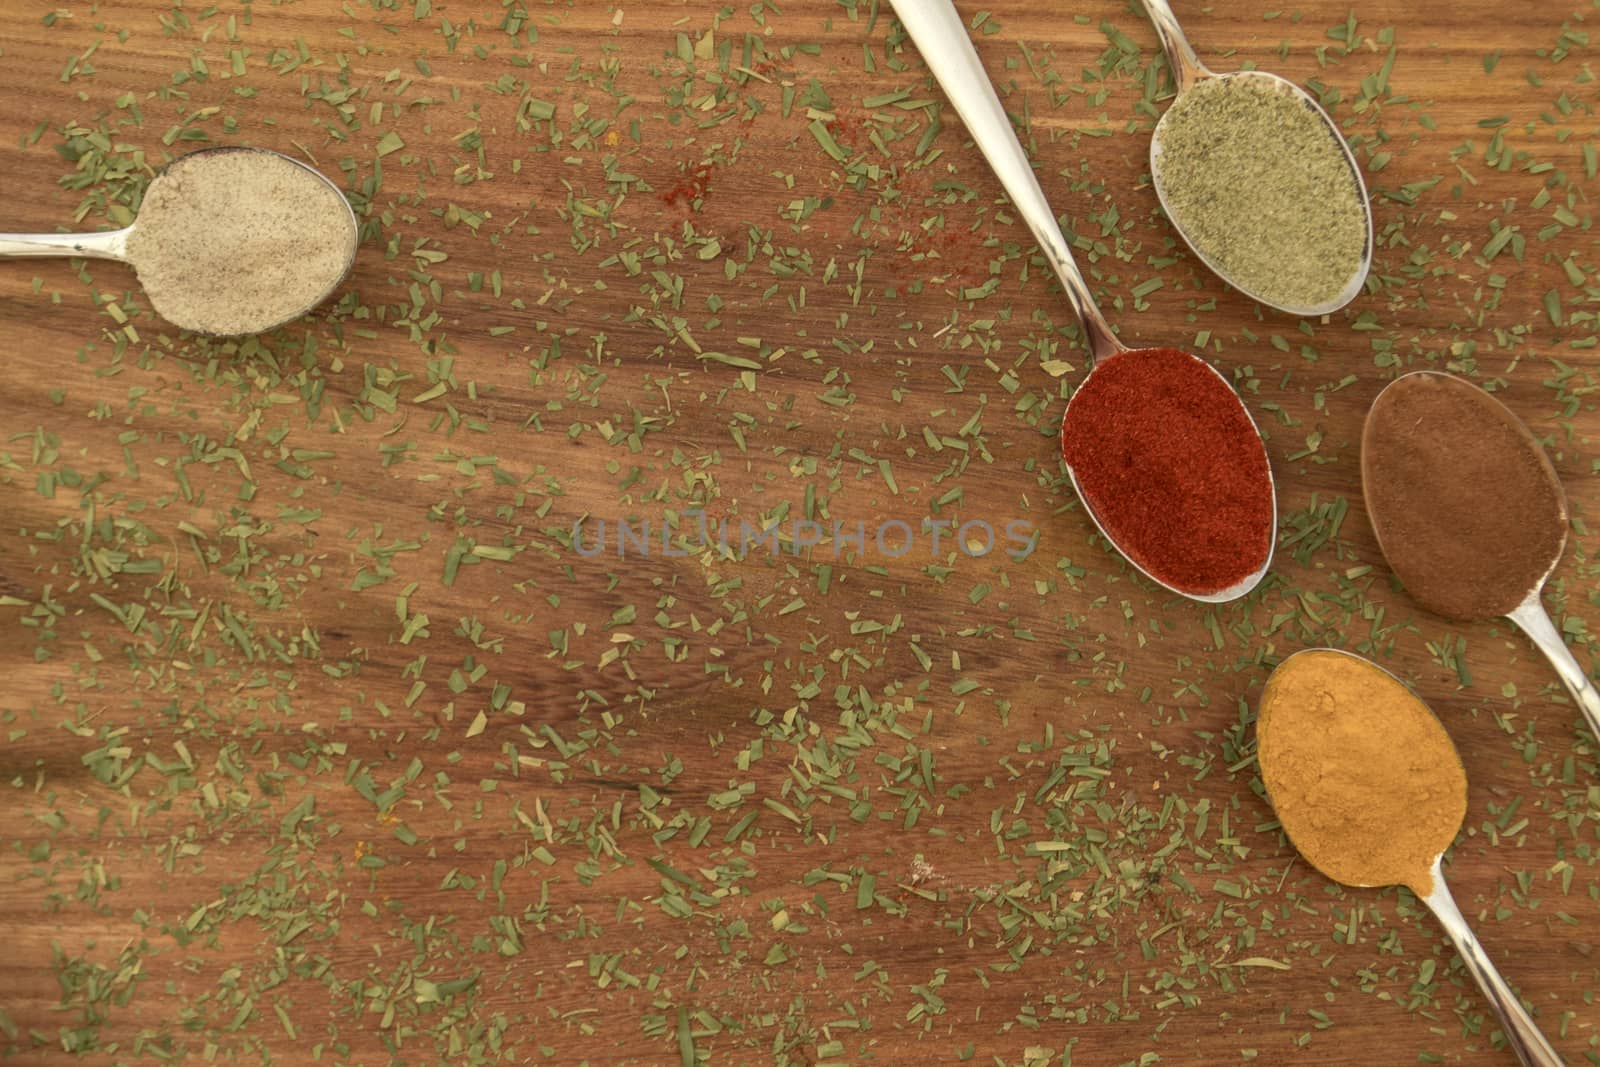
(323, 742)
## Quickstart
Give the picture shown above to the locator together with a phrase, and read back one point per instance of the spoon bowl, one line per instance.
(1103, 523)
(1189, 72)
(123, 245)
(1513, 593)
(1296, 729)
(940, 35)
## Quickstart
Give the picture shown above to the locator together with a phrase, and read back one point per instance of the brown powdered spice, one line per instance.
(237, 240)
(1466, 506)
(1364, 779)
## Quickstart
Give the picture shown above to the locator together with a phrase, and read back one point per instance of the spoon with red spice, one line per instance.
(1159, 447)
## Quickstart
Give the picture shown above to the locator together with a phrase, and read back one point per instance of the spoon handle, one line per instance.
(936, 28)
(1535, 622)
(1522, 1033)
(106, 244)
(1186, 66)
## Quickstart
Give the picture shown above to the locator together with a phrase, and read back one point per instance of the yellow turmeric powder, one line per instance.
(1364, 778)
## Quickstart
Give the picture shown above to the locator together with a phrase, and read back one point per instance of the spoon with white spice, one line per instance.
(227, 241)
(939, 34)
(1226, 142)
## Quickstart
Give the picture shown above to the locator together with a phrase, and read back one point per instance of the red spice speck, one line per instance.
(691, 187)
(847, 127)
(960, 253)
(1172, 467)
(954, 249)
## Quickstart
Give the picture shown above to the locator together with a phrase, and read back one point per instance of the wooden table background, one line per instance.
(323, 743)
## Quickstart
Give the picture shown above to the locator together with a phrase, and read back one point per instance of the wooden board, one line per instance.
(323, 741)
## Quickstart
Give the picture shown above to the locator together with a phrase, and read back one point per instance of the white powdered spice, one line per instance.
(237, 241)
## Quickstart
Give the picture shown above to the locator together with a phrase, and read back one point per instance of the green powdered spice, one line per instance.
(1259, 187)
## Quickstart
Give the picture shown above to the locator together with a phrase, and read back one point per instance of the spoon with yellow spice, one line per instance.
(1370, 789)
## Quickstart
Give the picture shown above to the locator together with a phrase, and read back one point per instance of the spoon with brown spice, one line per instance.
(1369, 788)
(1468, 511)
(1199, 521)
(1258, 180)
(227, 241)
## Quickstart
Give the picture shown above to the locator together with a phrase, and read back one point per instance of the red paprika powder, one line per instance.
(1170, 464)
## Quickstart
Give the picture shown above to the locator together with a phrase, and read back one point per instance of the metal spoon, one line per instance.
(939, 34)
(1522, 1033)
(113, 244)
(1188, 71)
(1529, 614)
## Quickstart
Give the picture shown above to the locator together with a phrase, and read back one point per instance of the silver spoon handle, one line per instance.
(942, 38)
(1535, 622)
(107, 244)
(1522, 1033)
(1186, 66)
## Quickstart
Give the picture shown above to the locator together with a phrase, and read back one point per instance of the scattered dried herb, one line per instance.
(791, 808)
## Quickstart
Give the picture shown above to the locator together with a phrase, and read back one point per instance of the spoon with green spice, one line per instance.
(227, 241)
(1257, 179)
(1163, 453)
